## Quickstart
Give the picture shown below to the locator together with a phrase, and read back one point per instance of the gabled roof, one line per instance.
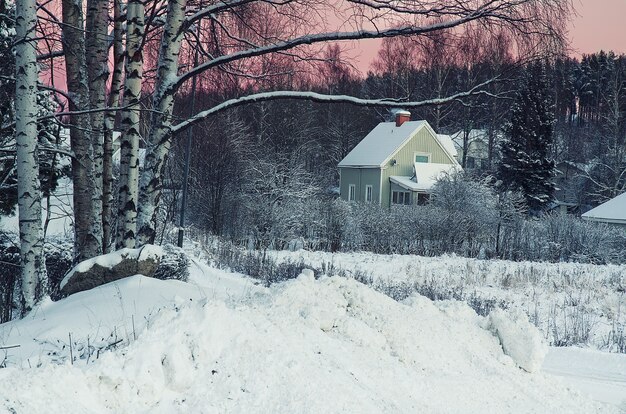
(382, 141)
(613, 211)
(448, 144)
(386, 139)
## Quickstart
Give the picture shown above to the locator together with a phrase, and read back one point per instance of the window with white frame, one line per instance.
(422, 157)
(351, 192)
(368, 193)
(401, 197)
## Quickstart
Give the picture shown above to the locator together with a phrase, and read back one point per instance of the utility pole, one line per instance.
(183, 203)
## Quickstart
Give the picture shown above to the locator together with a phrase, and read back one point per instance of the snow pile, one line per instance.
(570, 303)
(520, 340)
(305, 346)
(96, 320)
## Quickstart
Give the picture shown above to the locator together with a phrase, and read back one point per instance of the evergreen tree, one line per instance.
(526, 165)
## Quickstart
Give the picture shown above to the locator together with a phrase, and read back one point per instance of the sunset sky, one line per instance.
(601, 24)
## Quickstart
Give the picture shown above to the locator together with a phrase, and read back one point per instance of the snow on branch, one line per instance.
(324, 98)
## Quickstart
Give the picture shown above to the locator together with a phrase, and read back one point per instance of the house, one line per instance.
(611, 212)
(477, 148)
(396, 163)
(570, 179)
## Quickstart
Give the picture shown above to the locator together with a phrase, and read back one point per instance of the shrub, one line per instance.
(174, 264)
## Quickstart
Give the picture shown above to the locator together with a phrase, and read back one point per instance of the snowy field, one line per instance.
(571, 303)
(224, 344)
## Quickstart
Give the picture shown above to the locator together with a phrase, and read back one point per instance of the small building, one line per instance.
(570, 179)
(611, 212)
(396, 163)
(477, 148)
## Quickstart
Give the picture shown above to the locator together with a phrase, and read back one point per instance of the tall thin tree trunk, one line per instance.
(96, 43)
(28, 186)
(159, 139)
(129, 149)
(109, 125)
(87, 215)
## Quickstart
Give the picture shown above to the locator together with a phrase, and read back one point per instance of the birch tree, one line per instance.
(86, 196)
(159, 141)
(96, 44)
(109, 125)
(129, 149)
(33, 273)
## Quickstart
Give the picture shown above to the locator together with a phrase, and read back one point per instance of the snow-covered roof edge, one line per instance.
(612, 211)
(394, 152)
(450, 156)
(435, 136)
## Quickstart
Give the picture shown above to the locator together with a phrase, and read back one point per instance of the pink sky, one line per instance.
(599, 25)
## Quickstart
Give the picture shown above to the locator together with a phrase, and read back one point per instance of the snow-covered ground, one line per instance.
(598, 374)
(571, 303)
(223, 344)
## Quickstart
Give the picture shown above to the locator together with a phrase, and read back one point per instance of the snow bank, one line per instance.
(571, 303)
(304, 346)
(520, 340)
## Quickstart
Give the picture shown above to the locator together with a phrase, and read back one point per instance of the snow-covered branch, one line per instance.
(324, 98)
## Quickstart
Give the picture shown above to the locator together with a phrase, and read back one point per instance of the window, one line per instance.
(368, 193)
(422, 198)
(401, 197)
(422, 157)
(351, 192)
(470, 162)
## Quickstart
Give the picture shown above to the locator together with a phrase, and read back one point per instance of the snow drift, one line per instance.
(303, 346)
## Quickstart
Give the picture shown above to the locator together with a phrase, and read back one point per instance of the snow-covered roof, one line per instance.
(446, 142)
(382, 141)
(613, 211)
(405, 182)
(426, 174)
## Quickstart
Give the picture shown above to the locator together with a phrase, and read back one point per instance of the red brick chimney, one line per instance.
(402, 116)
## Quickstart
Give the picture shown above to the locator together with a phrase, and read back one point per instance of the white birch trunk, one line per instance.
(28, 188)
(96, 43)
(87, 214)
(109, 124)
(129, 149)
(160, 138)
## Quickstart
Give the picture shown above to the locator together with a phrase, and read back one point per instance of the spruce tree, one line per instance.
(526, 165)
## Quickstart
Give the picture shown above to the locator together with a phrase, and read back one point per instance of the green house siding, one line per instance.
(422, 142)
(360, 177)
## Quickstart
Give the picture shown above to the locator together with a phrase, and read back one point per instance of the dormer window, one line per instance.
(422, 157)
